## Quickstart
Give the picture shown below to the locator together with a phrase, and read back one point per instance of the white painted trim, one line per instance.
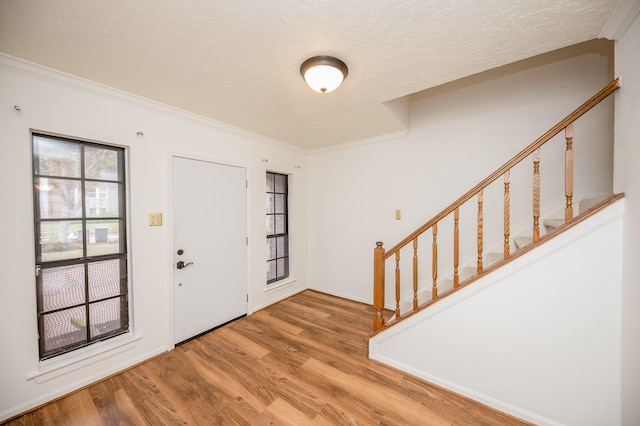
(72, 387)
(621, 19)
(39, 72)
(476, 396)
(278, 285)
(366, 141)
(609, 214)
(61, 365)
(343, 296)
(170, 319)
(283, 296)
(606, 216)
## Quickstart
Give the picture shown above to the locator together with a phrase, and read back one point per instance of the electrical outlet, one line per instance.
(398, 215)
(155, 219)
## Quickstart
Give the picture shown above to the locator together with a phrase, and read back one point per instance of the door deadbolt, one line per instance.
(180, 252)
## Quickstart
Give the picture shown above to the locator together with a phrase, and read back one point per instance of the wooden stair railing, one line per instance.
(380, 255)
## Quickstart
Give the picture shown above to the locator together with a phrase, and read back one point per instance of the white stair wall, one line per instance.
(551, 224)
(538, 338)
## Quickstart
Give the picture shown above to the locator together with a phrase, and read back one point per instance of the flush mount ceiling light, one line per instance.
(324, 73)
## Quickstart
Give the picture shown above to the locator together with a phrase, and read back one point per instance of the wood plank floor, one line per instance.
(302, 361)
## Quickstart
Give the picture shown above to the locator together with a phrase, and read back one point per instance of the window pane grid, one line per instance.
(277, 227)
(80, 223)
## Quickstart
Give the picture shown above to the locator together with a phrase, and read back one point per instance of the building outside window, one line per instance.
(81, 255)
(277, 227)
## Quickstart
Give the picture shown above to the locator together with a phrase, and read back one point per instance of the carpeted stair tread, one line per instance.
(522, 241)
(493, 258)
(553, 223)
(589, 203)
(466, 272)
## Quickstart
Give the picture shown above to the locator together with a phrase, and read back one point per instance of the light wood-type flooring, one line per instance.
(302, 361)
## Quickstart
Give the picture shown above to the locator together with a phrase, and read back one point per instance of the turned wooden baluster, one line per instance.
(507, 210)
(415, 273)
(434, 261)
(378, 286)
(456, 247)
(534, 148)
(536, 195)
(568, 174)
(397, 284)
(480, 226)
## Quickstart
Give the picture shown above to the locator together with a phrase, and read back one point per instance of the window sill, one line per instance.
(53, 368)
(278, 285)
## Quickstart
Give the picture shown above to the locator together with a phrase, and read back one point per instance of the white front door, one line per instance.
(210, 231)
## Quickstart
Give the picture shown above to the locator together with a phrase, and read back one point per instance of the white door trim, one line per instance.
(168, 223)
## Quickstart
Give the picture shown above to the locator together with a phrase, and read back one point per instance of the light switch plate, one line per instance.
(155, 219)
(398, 215)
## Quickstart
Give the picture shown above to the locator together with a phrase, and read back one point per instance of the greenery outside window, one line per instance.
(80, 243)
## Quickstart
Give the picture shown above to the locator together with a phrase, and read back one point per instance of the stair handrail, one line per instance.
(380, 254)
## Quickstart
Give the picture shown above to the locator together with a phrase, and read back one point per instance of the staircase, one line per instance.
(587, 207)
(462, 262)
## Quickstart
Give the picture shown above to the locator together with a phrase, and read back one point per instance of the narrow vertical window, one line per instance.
(81, 259)
(277, 227)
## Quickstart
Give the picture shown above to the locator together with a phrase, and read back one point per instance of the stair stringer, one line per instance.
(538, 338)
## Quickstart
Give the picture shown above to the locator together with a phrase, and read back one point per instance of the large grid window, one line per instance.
(277, 227)
(81, 259)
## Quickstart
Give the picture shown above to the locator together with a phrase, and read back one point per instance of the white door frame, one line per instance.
(170, 299)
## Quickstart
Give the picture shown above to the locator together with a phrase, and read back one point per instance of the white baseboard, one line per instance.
(72, 387)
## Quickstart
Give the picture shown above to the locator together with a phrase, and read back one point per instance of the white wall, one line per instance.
(353, 190)
(627, 180)
(539, 338)
(61, 104)
(459, 134)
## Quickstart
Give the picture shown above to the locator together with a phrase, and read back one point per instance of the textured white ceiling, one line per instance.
(237, 61)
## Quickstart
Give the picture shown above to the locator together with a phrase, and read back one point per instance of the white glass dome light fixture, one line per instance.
(324, 73)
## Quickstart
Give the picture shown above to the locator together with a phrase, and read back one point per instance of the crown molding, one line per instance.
(624, 14)
(32, 70)
(360, 142)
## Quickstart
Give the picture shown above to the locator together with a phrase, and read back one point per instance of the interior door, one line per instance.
(210, 248)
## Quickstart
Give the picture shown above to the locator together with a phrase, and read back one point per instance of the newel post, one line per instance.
(378, 285)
